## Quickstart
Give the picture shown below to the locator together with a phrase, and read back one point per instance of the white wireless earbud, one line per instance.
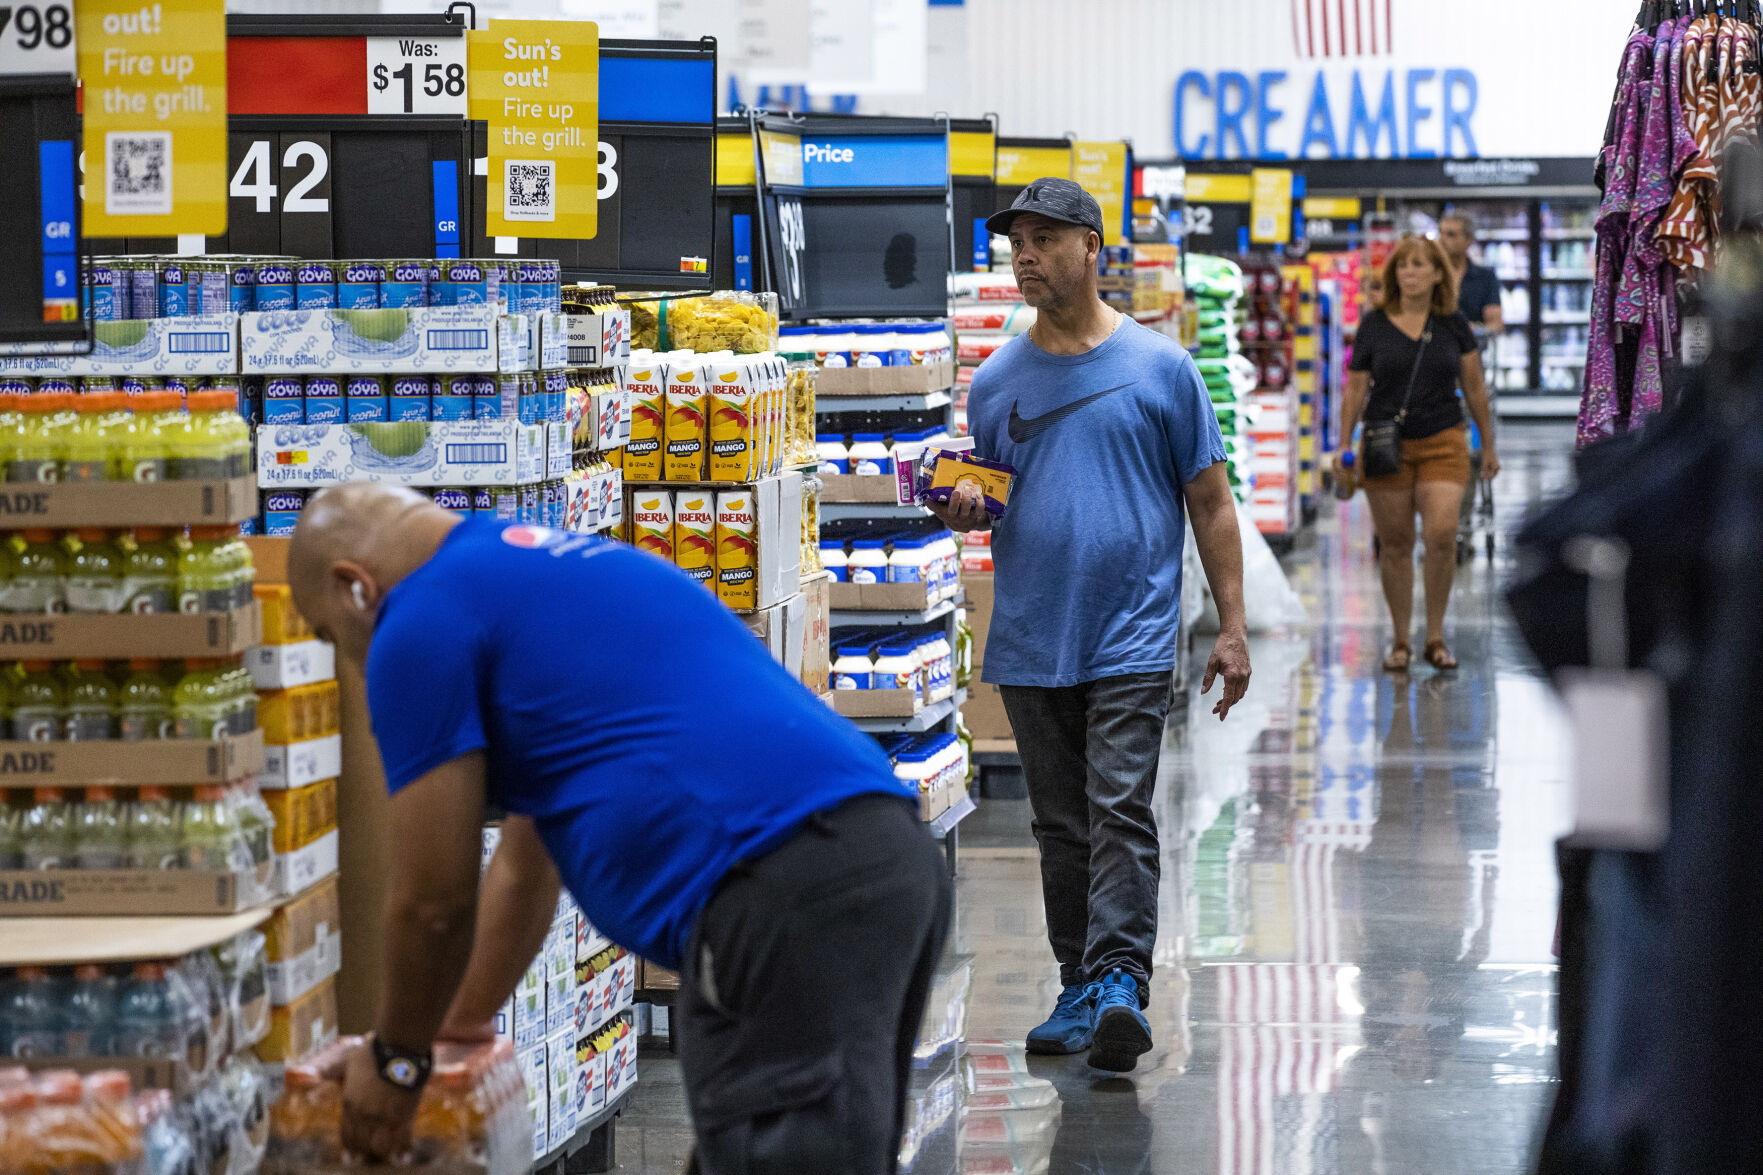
(360, 596)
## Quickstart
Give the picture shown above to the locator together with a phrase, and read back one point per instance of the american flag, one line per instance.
(1342, 28)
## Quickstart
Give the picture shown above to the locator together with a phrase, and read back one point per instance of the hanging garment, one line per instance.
(1741, 89)
(1686, 235)
(1602, 413)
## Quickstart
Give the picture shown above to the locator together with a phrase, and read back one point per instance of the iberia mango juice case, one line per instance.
(737, 550)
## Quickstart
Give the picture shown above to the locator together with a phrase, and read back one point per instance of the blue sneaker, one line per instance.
(1122, 1033)
(1071, 1026)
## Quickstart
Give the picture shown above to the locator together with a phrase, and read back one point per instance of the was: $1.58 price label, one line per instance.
(414, 75)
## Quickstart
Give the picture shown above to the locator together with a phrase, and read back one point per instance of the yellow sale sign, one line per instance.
(153, 91)
(1101, 168)
(537, 84)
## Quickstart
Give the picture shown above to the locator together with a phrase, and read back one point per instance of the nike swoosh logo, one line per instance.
(1024, 429)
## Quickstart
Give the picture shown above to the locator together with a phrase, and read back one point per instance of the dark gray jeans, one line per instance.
(1089, 753)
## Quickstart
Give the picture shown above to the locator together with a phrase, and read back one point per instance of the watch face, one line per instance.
(401, 1071)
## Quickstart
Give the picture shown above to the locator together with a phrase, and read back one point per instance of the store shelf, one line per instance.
(943, 825)
(1557, 318)
(932, 715)
(832, 404)
(1503, 234)
(838, 511)
(1514, 275)
(47, 942)
(1568, 275)
(1569, 234)
(840, 617)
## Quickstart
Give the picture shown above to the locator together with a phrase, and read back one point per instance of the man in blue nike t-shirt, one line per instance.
(1112, 434)
(704, 808)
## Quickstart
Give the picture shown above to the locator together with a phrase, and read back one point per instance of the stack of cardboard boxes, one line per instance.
(298, 708)
(984, 713)
(570, 1023)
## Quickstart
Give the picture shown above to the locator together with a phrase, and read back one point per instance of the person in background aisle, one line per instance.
(706, 810)
(1418, 348)
(1478, 287)
(1112, 432)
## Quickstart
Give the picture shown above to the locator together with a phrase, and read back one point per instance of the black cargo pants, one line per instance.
(802, 992)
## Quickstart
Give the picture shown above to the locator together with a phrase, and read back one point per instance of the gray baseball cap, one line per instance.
(1057, 199)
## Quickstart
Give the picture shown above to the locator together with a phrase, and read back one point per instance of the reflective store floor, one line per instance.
(1354, 970)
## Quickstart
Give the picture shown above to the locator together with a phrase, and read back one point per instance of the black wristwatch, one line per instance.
(400, 1067)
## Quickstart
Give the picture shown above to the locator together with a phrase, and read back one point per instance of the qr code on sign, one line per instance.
(137, 169)
(529, 190)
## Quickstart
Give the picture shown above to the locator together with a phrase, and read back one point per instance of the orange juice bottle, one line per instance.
(686, 425)
(737, 550)
(732, 424)
(651, 522)
(694, 535)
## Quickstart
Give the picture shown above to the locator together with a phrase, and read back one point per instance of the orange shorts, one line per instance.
(1444, 456)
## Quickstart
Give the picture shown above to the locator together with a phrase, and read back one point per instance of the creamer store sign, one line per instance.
(1351, 79)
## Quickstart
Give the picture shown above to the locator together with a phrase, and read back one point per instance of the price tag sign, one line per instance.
(36, 38)
(411, 75)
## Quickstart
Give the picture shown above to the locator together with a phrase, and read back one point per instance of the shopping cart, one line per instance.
(1476, 515)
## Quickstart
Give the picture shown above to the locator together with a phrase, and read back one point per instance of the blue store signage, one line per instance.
(875, 161)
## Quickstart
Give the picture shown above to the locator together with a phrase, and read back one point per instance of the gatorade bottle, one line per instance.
(87, 455)
(199, 703)
(101, 831)
(143, 705)
(212, 838)
(149, 1015)
(94, 573)
(39, 574)
(256, 822)
(37, 701)
(237, 557)
(47, 830)
(89, 1011)
(155, 824)
(207, 570)
(241, 692)
(11, 845)
(88, 708)
(11, 431)
(159, 416)
(213, 441)
(31, 456)
(149, 571)
(27, 1014)
(60, 423)
(115, 427)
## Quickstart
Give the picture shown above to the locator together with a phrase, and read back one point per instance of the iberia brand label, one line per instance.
(686, 425)
(694, 535)
(642, 453)
(155, 102)
(731, 424)
(737, 550)
(652, 523)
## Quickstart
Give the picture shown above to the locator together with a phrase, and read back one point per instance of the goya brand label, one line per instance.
(358, 286)
(687, 402)
(457, 500)
(486, 397)
(241, 288)
(274, 286)
(284, 400)
(652, 520)
(315, 285)
(648, 391)
(737, 550)
(463, 283)
(731, 421)
(452, 396)
(107, 296)
(174, 290)
(281, 511)
(409, 398)
(406, 284)
(694, 535)
(483, 502)
(364, 399)
(324, 399)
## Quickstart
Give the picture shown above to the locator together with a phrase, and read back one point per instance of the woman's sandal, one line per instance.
(1399, 659)
(1438, 655)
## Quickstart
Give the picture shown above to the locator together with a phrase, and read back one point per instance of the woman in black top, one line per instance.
(1420, 303)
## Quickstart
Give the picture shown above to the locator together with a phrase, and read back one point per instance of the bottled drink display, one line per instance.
(209, 828)
(147, 569)
(99, 434)
(135, 700)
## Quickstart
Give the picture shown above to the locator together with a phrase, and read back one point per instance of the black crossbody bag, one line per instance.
(1380, 443)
